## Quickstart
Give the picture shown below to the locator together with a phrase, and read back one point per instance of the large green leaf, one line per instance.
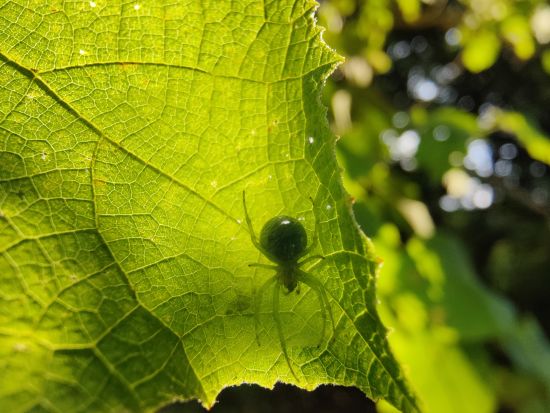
(128, 132)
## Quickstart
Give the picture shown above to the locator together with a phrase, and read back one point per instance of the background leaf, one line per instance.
(449, 170)
(480, 51)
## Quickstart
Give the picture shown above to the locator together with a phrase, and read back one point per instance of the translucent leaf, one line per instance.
(480, 51)
(410, 9)
(128, 134)
(516, 30)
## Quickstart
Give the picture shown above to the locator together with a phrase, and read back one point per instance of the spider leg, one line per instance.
(279, 325)
(315, 239)
(251, 230)
(258, 302)
(319, 289)
(268, 266)
(312, 258)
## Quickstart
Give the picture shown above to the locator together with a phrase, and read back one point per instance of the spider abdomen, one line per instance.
(284, 238)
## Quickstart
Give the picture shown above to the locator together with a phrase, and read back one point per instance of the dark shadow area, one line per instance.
(283, 398)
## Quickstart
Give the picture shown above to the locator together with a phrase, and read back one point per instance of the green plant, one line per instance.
(128, 132)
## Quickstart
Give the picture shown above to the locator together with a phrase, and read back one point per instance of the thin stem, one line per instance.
(267, 266)
(251, 229)
(312, 258)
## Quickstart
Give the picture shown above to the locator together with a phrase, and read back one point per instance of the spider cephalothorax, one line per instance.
(284, 238)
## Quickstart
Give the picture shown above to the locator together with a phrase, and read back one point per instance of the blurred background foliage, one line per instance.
(442, 112)
(442, 109)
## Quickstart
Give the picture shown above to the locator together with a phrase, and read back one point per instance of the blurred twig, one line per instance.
(522, 197)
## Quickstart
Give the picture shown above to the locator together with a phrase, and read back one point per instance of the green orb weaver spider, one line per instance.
(283, 240)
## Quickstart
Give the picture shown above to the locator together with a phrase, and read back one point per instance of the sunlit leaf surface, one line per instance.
(128, 132)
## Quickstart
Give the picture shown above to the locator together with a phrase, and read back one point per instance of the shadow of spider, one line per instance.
(283, 240)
